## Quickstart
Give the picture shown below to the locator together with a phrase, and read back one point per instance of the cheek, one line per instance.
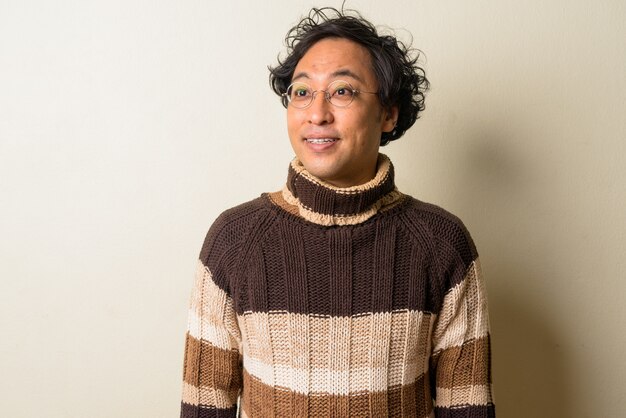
(368, 126)
(292, 122)
(294, 116)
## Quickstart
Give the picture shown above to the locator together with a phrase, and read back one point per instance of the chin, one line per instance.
(321, 171)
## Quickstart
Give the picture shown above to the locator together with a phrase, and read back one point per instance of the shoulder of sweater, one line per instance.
(230, 228)
(447, 230)
(244, 212)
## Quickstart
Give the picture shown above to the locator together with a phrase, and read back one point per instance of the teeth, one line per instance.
(320, 140)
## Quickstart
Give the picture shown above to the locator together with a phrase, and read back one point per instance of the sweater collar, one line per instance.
(325, 204)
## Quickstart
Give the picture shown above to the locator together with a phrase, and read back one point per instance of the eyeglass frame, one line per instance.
(327, 95)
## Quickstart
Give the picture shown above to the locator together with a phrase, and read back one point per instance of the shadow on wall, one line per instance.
(493, 191)
(530, 368)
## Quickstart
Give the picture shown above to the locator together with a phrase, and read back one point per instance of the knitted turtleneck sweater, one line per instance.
(319, 301)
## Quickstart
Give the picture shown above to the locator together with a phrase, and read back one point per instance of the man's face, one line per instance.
(350, 159)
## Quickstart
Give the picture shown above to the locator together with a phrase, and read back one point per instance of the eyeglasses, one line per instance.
(338, 93)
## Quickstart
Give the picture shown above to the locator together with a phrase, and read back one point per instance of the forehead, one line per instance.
(336, 58)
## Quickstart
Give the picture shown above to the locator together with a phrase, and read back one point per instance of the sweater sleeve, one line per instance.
(461, 356)
(212, 372)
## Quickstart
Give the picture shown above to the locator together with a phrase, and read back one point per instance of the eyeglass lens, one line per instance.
(339, 93)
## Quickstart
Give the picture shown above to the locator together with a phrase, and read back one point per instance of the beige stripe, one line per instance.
(260, 400)
(209, 396)
(469, 395)
(272, 356)
(339, 347)
(380, 331)
(463, 316)
(211, 313)
(299, 326)
(464, 366)
(408, 329)
(256, 337)
(390, 198)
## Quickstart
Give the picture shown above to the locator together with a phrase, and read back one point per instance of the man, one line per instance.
(339, 296)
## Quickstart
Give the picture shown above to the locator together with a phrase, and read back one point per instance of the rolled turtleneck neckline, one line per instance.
(322, 203)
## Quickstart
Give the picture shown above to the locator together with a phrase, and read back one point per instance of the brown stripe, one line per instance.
(383, 280)
(340, 252)
(260, 400)
(278, 199)
(207, 365)
(195, 411)
(263, 273)
(296, 290)
(482, 411)
(449, 227)
(466, 365)
(220, 249)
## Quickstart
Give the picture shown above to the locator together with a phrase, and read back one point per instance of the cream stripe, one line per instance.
(468, 395)
(207, 396)
(299, 327)
(271, 376)
(269, 356)
(217, 335)
(408, 355)
(463, 316)
(205, 287)
(339, 358)
(212, 316)
(257, 336)
(274, 347)
(380, 331)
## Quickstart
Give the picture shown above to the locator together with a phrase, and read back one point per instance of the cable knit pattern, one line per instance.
(320, 301)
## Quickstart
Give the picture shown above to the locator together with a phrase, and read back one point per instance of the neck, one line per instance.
(365, 177)
(323, 203)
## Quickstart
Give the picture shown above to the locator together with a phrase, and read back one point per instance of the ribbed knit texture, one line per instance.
(324, 302)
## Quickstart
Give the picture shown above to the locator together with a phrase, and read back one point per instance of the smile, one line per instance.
(320, 140)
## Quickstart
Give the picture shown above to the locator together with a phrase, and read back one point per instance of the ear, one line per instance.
(390, 118)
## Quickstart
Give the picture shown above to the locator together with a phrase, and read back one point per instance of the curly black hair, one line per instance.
(401, 81)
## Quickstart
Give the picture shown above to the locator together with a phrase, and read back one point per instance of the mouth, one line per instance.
(320, 140)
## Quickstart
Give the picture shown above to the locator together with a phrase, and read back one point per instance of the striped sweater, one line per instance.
(319, 301)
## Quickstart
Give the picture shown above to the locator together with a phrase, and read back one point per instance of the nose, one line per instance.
(320, 110)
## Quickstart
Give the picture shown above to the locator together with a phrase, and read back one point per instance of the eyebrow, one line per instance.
(338, 73)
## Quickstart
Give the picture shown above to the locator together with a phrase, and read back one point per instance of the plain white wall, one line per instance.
(122, 137)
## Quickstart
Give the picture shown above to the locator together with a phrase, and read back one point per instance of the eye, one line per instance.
(299, 91)
(343, 91)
